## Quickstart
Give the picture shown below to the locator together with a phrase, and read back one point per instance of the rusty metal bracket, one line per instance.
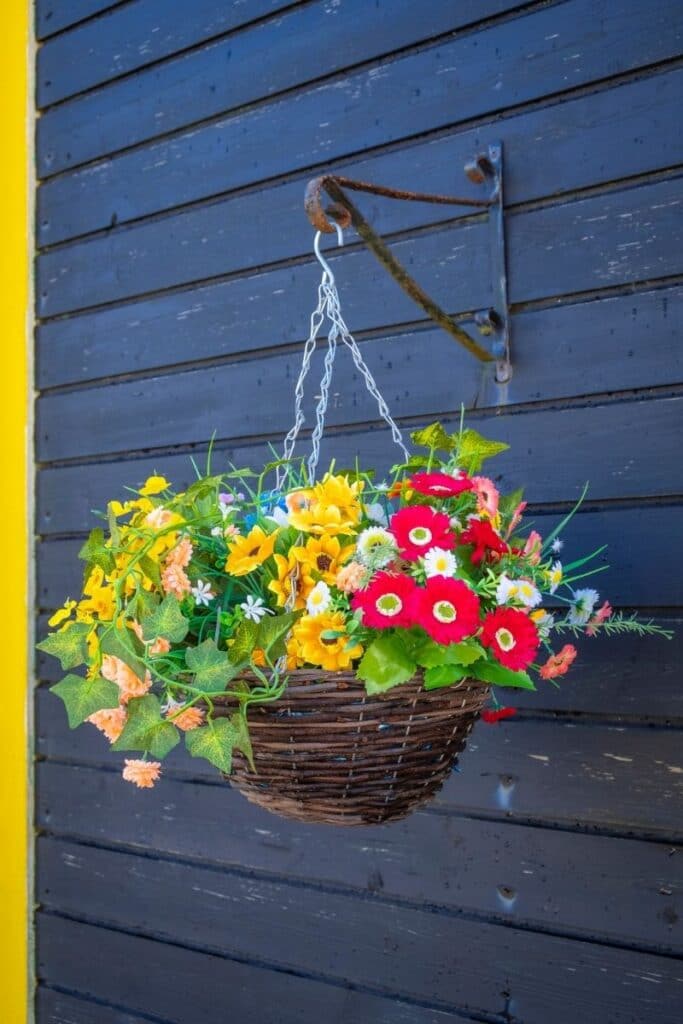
(486, 169)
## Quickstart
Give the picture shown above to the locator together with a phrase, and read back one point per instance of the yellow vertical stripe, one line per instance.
(14, 422)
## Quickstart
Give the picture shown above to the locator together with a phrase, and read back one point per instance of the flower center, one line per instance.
(323, 562)
(254, 551)
(420, 535)
(328, 641)
(389, 604)
(444, 611)
(505, 639)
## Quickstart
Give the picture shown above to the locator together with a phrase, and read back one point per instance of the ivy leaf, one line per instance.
(69, 645)
(212, 668)
(151, 569)
(464, 653)
(244, 643)
(474, 449)
(385, 664)
(242, 738)
(490, 672)
(142, 603)
(443, 675)
(146, 730)
(214, 742)
(166, 620)
(434, 436)
(121, 643)
(429, 654)
(94, 551)
(274, 628)
(83, 697)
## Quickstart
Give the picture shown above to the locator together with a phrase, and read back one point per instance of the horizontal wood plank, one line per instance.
(56, 15)
(622, 780)
(479, 968)
(560, 147)
(135, 35)
(591, 886)
(563, 46)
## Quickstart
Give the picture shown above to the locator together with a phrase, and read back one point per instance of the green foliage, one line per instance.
(212, 668)
(213, 741)
(444, 675)
(434, 436)
(122, 643)
(242, 739)
(166, 620)
(83, 697)
(94, 552)
(385, 664)
(146, 729)
(492, 672)
(69, 645)
(272, 633)
(241, 650)
(473, 450)
(429, 654)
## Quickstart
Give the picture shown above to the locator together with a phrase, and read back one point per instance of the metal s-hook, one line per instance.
(319, 256)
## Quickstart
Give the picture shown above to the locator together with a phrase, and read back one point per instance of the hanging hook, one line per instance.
(321, 259)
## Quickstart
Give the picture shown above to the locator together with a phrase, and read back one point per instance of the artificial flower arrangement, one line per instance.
(221, 591)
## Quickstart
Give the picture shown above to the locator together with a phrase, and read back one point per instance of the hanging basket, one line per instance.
(326, 752)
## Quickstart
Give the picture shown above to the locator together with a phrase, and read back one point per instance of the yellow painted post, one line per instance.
(14, 423)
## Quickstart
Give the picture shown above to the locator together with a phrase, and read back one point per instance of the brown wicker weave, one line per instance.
(327, 752)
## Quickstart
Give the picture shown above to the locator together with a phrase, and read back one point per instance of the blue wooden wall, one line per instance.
(174, 280)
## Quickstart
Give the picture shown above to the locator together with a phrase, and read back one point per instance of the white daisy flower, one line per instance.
(376, 513)
(557, 546)
(554, 576)
(376, 547)
(217, 531)
(254, 608)
(543, 621)
(202, 593)
(279, 516)
(522, 591)
(582, 606)
(319, 599)
(439, 562)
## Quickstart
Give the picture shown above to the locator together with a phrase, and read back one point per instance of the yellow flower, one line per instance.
(288, 570)
(154, 485)
(62, 613)
(329, 653)
(246, 553)
(330, 507)
(139, 505)
(323, 555)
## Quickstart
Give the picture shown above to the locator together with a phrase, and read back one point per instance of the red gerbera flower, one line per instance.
(447, 609)
(386, 601)
(419, 528)
(493, 715)
(481, 534)
(511, 636)
(440, 485)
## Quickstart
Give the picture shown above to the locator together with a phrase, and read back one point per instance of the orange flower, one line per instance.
(351, 577)
(142, 774)
(160, 646)
(110, 721)
(181, 554)
(174, 580)
(186, 720)
(558, 664)
(130, 685)
(159, 517)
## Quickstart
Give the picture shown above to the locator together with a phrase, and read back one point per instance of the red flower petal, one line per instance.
(418, 528)
(511, 637)
(440, 485)
(447, 609)
(493, 715)
(386, 601)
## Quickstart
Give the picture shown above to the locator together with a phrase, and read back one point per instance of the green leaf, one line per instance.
(146, 730)
(385, 664)
(122, 643)
(464, 653)
(474, 449)
(491, 672)
(244, 643)
(509, 502)
(242, 738)
(94, 551)
(114, 529)
(167, 620)
(212, 668)
(433, 436)
(214, 742)
(69, 645)
(142, 603)
(429, 654)
(151, 569)
(273, 629)
(443, 675)
(83, 697)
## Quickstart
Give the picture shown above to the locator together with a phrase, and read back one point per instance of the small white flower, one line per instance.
(522, 591)
(202, 593)
(582, 606)
(254, 608)
(217, 531)
(455, 523)
(439, 562)
(376, 547)
(319, 599)
(554, 576)
(376, 514)
(279, 516)
(557, 546)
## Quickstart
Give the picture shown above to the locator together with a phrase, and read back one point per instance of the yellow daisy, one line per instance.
(323, 555)
(246, 553)
(330, 507)
(329, 653)
(154, 485)
(288, 570)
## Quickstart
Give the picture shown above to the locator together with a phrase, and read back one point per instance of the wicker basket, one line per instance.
(327, 752)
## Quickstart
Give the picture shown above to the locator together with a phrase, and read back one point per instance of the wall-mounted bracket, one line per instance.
(485, 169)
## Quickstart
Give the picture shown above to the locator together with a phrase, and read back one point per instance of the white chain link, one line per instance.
(328, 305)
